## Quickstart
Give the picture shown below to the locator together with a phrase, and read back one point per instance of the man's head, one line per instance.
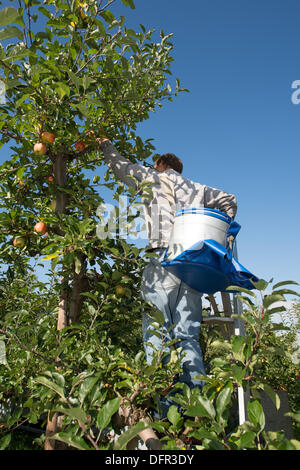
(168, 161)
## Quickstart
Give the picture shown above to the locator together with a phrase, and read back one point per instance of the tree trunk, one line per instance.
(50, 431)
(62, 320)
(213, 303)
(79, 285)
(60, 178)
(67, 311)
(226, 304)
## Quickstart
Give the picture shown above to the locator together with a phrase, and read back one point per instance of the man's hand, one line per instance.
(101, 139)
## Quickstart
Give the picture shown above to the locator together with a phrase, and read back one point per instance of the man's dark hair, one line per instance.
(170, 159)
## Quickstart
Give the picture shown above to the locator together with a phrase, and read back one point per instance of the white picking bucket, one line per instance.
(192, 226)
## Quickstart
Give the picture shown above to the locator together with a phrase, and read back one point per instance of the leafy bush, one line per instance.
(75, 366)
(82, 375)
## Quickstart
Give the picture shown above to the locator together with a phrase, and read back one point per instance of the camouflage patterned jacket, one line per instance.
(170, 192)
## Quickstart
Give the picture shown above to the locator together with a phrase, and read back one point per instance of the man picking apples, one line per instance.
(180, 304)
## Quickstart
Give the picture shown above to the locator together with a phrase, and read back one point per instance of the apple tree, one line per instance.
(71, 354)
(73, 71)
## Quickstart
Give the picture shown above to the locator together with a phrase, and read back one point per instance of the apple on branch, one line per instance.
(48, 137)
(19, 242)
(50, 179)
(120, 290)
(40, 227)
(40, 148)
(80, 146)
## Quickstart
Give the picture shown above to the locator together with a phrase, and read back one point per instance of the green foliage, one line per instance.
(80, 373)
(85, 70)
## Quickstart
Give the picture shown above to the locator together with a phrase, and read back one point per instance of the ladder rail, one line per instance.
(239, 331)
(230, 326)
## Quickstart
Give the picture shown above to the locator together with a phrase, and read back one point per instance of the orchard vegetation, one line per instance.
(74, 366)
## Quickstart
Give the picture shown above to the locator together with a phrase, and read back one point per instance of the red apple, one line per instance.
(40, 227)
(50, 179)
(40, 148)
(48, 137)
(19, 242)
(80, 146)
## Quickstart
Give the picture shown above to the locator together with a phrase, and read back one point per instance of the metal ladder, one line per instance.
(230, 326)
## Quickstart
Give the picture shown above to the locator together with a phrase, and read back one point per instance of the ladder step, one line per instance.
(214, 319)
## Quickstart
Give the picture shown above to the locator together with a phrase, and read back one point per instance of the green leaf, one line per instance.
(75, 79)
(203, 434)
(62, 89)
(223, 399)
(86, 386)
(82, 108)
(101, 28)
(129, 3)
(241, 289)
(45, 12)
(53, 386)
(48, 257)
(86, 81)
(261, 284)
(76, 413)
(276, 310)
(21, 100)
(292, 444)
(8, 15)
(272, 394)
(71, 440)
(19, 52)
(107, 411)
(284, 283)
(213, 444)
(238, 344)
(238, 373)
(54, 262)
(10, 32)
(204, 408)
(90, 295)
(158, 316)
(173, 416)
(20, 173)
(130, 434)
(108, 16)
(5, 441)
(256, 414)
(247, 440)
(96, 179)
(77, 265)
(271, 299)
(286, 291)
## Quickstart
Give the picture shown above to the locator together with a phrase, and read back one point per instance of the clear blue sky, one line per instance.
(237, 129)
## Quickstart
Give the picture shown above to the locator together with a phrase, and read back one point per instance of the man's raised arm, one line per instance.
(123, 168)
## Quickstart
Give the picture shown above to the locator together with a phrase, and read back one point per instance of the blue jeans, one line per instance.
(182, 306)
